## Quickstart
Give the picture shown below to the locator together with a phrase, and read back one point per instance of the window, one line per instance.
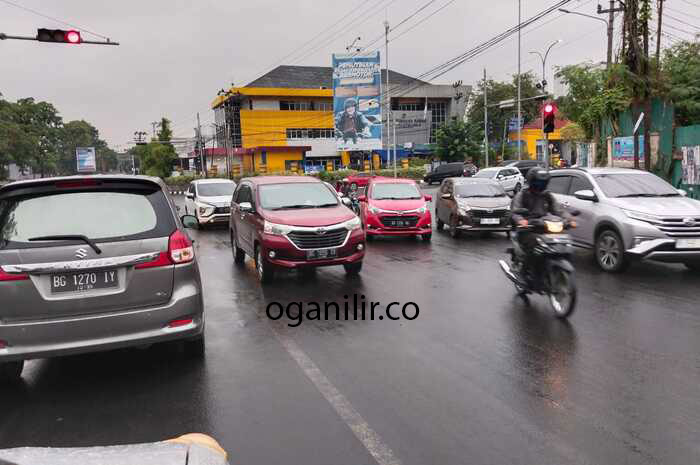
(396, 191)
(296, 195)
(409, 107)
(634, 185)
(480, 189)
(312, 133)
(486, 174)
(245, 194)
(215, 189)
(263, 157)
(289, 105)
(438, 118)
(191, 189)
(559, 185)
(323, 106)
(579, 184)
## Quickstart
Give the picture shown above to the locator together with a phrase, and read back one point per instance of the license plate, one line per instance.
(400, 224)
(688, 244)
(490, 221)
(83, 282)
(320, 254)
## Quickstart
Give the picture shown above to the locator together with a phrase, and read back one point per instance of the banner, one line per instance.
(623, 148)
(691, 165)
(85, 157)
(356, 101)
(412, 127)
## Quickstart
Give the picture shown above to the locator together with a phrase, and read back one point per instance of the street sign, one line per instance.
(506, 103)
(639, 121)
(513, 124)
(85, 158)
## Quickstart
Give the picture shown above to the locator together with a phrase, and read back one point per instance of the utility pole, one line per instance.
(611, 21)
(520, 155)
(200, 145)
(646, 7)
(389, 117)
(486, 124)
(658, 35)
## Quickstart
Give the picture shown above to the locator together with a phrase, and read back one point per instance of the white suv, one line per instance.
(509, 178)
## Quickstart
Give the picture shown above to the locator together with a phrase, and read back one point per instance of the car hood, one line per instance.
(219, 201)
(398, 205)
(660, 206)
(310, 217)
(485, 202)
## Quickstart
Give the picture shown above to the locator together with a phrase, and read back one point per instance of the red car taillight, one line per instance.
(180, 250)
(12, 277)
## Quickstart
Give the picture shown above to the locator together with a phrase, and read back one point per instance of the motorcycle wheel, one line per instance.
(562, 297)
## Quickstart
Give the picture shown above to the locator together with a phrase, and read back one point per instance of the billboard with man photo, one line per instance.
(356, 101)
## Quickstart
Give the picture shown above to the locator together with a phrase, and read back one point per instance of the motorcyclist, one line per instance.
(539, 202)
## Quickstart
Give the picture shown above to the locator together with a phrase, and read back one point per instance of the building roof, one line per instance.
(314, 77)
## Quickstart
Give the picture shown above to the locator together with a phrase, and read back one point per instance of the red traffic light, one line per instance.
(549, 108)
(72, 37)
(58, 36)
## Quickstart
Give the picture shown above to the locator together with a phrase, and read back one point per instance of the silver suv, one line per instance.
(629, 214)
(93, 263)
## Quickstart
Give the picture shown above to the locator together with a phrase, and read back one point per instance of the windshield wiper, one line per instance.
(324, 205)
(670, 194)
(289, 207)
(68, 237)
(636, 195)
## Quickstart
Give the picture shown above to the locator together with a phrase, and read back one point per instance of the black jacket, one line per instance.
(538, 205)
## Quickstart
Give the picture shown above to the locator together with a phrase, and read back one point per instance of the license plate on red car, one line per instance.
(320, 254)
(399, 223)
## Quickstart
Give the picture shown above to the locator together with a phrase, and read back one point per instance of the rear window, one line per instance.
(398, 191)
(99, 215)
(486, 174)
(216, 189)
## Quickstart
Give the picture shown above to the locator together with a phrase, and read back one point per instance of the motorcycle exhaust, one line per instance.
(506, 269)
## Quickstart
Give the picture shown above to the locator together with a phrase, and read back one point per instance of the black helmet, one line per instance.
(351, 102)
(538, 179)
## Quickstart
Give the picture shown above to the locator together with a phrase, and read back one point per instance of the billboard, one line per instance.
(85, 157)
(412, 127)
(623, 148)
(356, 101)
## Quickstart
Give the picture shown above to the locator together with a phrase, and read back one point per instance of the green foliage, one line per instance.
(573, 132)
(681, 71)
(165, 134)
(457, 140)
(156, 159)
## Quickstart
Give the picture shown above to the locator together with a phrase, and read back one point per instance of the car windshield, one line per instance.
(398, 191)
(216, 189)
(634, 185)
(479, 190)
(486, 174)
(296, 195)
(119, 215)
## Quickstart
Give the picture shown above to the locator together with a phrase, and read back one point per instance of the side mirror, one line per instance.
(500, 176)
(245, 207)
(682, 192)
(362, 198)
(189, 221)
(586, 194)
(428, 198)
(346, 201)
(189, 195)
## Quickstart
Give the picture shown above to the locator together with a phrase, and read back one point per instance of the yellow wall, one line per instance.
(531, 136)
(275, 160)
(269, 127)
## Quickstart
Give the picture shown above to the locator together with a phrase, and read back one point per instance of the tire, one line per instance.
(440, 225)
(238, 253)
(563, 301)
(427, 237)
(194, 348)
(610, 252)
(692, 266)
(454, 232)
(11, 372)
(264, 270)
(353, 269)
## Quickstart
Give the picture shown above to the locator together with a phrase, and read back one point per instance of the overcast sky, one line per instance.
(175, 55)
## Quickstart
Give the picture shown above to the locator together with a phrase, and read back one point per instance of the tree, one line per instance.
(681, 72)
(165, 134)
(156, 158)
(457, 140)
(573, 132)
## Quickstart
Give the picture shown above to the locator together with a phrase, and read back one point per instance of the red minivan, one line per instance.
(293, 222)
(395, 207)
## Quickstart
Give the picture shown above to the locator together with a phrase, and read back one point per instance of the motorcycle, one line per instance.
(354, 200)
(552, 275)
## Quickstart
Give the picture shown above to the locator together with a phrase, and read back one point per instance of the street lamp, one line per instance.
(544, 61)
(607, 24)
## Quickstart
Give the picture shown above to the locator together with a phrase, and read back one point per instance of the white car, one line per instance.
(210, 200)
(509, 178)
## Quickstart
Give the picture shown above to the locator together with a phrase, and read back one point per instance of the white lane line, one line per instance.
(367, 436)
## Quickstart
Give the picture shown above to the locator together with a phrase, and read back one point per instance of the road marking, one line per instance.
(369, 438)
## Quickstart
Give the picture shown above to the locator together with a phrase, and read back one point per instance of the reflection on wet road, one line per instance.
(477, 378)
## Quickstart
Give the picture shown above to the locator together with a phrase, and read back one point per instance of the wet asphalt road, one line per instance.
(477, 378)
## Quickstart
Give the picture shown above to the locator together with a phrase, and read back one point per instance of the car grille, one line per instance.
(399, 221)
(485, 213)
(222, 210)
(313, 240)
(676, 227)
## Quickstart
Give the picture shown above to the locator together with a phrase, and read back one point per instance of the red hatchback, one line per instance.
(395, 207)
(293, 222)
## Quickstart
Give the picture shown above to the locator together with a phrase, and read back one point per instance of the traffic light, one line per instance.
(59, 36)
(548, 112)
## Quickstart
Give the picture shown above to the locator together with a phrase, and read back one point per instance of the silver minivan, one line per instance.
(628, 214)
(94, 263)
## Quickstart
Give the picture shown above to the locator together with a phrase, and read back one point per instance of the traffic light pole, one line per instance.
(4, 36)
(486, 127)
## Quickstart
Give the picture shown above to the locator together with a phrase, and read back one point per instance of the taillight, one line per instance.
(12, 277)
(178, 323)
(180, 250)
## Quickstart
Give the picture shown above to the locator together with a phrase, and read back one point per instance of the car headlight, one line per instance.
(641, 216)
(422, 210)
(205, 209)
(554, 226)
(277, 229)
(463, 209)
(353, 224)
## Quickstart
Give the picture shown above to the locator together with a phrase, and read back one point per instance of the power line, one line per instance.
(691, 3)
(53, 19)
(422, 20)
(680, 21)
(681, 12)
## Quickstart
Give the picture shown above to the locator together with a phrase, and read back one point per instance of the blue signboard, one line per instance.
(357, 101)
(86, 161)
(623, 148)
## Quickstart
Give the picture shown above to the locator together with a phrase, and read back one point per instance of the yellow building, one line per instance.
(533, 139)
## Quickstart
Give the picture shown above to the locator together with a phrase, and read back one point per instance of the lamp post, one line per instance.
(544, 61)
(607, 24)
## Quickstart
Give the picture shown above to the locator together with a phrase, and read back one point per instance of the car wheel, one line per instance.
(353, 269)
(264, 269)
(440, 225)
(454, 232)
(195, 348)
(427, 237)
(238, 253)
(11, 372)
(692, 266)
(517, 188)
(610, 252)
